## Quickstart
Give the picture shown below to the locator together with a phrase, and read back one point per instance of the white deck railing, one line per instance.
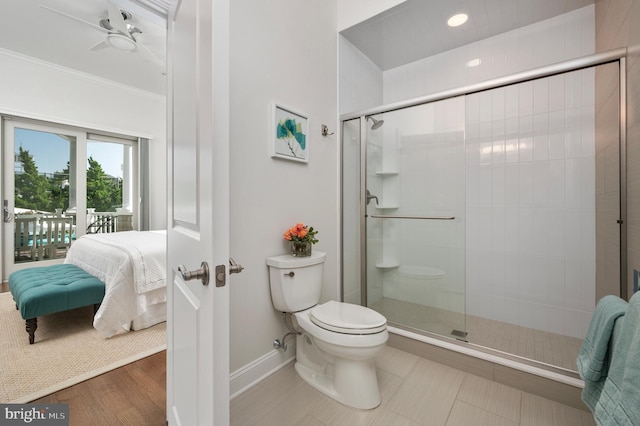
(47, 236)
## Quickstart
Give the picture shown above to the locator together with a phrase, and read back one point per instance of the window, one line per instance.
(64, 182)
(111, 188)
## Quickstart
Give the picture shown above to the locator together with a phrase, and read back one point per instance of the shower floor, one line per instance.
(549, 348)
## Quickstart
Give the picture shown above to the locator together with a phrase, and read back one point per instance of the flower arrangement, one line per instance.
(301, 233)
(301, 238)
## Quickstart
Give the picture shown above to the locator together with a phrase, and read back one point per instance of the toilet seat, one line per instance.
(347, 318)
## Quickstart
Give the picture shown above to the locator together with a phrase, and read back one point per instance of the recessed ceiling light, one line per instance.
(457, 20)
(474, 62)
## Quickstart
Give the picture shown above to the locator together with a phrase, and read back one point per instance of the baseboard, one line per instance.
(252, 373)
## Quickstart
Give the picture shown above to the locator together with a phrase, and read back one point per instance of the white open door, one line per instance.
(198, 213)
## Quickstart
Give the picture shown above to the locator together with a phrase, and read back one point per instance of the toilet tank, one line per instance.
(296, 282)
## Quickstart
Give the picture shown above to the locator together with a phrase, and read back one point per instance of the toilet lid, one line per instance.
(347, 318)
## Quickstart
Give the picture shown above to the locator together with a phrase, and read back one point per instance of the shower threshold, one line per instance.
(533, 347)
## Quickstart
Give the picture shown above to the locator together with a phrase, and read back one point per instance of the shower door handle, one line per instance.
(384, 216)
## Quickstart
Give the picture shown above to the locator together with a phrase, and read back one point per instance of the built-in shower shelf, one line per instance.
(387, 173)
(387, 265)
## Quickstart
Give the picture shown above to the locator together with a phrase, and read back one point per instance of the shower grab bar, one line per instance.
(386, 216)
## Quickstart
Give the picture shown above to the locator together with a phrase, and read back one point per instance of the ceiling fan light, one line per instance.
(121, 42)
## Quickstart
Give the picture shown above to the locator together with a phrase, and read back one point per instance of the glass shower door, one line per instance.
(415, 217)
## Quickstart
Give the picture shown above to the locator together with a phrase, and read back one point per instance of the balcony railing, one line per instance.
(48, 236)
(103, 222)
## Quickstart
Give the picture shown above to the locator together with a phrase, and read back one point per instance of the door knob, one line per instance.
(234, 268)
(221, 278)
(201, 274)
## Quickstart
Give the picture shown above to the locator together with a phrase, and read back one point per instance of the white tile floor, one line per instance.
(414, 391)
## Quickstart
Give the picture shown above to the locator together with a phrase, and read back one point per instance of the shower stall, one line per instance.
(492, 215)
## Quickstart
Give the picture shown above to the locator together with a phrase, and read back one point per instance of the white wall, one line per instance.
(351, 12)
(39, 90)
(360, 79)
(280, 51)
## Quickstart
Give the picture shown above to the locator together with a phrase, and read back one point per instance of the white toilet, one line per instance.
(337, 342)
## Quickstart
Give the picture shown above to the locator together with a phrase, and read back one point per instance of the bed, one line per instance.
(132, 265)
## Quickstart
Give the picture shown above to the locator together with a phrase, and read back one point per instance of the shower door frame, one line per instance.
(612, 56)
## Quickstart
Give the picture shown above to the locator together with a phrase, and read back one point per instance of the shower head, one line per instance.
(376, 123)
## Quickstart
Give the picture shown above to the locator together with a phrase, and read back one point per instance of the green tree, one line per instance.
(59, 188)
(103, 192)
(31, 188)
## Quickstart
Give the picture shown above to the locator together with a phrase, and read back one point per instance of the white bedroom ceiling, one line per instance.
(417, 29)
(29, 29)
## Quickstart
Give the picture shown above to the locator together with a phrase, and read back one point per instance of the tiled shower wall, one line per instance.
(531, 203)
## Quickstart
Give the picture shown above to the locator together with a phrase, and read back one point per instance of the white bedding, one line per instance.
(132, 265)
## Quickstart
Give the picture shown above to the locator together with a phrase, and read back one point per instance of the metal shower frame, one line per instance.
(616, 55)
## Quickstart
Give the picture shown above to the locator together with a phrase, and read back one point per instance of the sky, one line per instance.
(51, 151)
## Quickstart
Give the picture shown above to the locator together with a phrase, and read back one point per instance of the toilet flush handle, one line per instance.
(291, 274)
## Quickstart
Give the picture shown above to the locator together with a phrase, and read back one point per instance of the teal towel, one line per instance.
(593, 356)
(615, 398)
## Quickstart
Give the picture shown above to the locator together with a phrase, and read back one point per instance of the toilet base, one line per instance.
(356, 385)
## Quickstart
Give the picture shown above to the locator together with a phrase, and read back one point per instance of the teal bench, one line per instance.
(46, 290)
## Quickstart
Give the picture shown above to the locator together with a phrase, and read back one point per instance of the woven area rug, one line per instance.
(67, 350)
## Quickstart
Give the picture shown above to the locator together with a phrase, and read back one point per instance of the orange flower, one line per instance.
(300, 232)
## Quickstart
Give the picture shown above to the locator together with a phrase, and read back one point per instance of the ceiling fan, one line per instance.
(121, 34)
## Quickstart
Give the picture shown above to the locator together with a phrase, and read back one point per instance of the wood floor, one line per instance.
(131, 395)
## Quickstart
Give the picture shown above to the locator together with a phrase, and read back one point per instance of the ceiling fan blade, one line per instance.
(94, 26)
(116, 19)
(102, 45)
(149, 54)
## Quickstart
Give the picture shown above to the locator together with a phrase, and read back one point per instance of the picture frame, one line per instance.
(289, 134)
